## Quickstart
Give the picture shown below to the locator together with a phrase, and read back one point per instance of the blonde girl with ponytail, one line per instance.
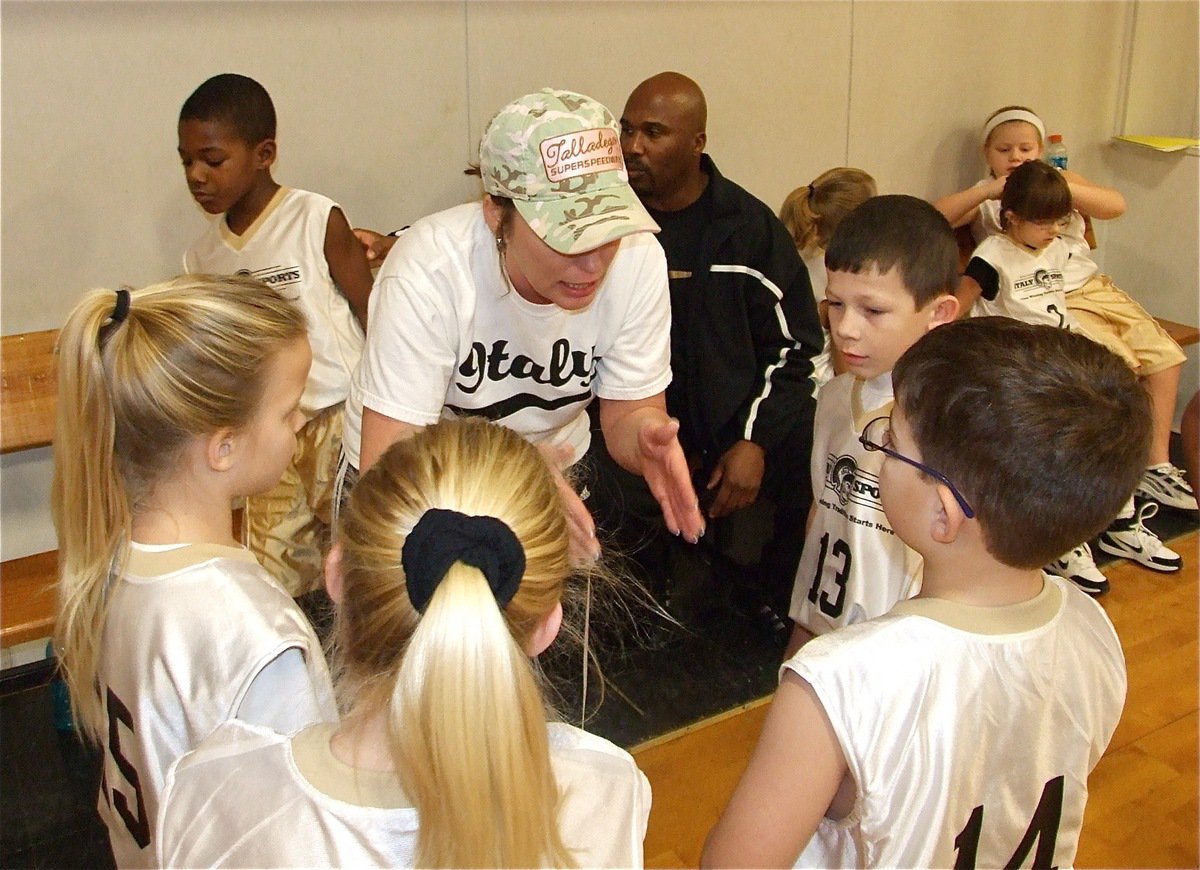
(173, 401)
(448, 572)
(811, 213)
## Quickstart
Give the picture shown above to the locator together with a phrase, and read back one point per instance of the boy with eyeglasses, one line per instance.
(959, 729)
(893, 269)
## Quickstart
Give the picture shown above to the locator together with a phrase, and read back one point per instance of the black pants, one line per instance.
(630, 521)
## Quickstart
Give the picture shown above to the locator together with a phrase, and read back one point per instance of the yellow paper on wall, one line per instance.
(1162, 143)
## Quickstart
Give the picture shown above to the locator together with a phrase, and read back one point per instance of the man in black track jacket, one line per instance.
(744, 324)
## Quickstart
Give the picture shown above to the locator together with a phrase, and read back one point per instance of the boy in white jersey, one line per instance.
(959, 729)
(893, 268)
(301, 243)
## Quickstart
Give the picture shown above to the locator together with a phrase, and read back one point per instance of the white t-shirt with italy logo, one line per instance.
(449, 336)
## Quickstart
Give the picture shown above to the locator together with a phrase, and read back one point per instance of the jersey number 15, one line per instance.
(139, 824)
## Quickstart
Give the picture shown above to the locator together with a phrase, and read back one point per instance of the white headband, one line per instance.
(1014, 115)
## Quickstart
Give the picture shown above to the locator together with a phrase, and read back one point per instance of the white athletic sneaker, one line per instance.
(1079, 566)
(1129, 539)
(1165, 484)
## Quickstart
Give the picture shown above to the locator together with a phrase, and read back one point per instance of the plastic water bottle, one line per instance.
(1056, 152)
(60, 697)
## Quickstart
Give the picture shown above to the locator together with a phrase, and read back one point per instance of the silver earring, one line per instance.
(501, 244)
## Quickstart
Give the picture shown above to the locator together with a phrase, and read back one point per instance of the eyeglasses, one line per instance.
(877, 435)
(1058, 224)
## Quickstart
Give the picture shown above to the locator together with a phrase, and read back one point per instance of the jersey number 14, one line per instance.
(1042, 829)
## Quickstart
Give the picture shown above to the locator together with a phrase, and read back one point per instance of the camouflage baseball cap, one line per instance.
(557, 155)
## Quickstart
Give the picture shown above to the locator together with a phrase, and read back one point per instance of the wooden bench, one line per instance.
(1181, 332)
(28, 392)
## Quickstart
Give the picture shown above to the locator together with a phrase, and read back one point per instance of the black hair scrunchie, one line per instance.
(442, 537)
(120, 313)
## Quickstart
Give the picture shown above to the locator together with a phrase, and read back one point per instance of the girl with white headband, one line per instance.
(1011, 136)
(448, 574)
(1106, 314)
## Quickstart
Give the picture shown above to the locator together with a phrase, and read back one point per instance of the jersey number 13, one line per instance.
(816, 595)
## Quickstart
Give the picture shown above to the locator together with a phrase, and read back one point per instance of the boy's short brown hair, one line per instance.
(1045, 432)
(902, 232)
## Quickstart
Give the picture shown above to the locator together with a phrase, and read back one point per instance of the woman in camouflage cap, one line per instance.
(523, 307)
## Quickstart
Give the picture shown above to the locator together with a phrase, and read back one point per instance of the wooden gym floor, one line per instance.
(1142, 810)
(1142, 813)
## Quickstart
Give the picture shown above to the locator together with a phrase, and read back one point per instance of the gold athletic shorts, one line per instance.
(288, 528)
(1108, 316)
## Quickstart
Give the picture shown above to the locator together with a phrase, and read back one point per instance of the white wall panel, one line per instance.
(775, 74)
(927, 74)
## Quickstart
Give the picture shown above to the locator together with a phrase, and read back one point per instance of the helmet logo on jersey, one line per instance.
(1043, 279)
(851, 484)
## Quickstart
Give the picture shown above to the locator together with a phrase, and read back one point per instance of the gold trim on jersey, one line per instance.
(149, 564)
(862, 416)
(334, 778)
(1005, 619)
(237, 242)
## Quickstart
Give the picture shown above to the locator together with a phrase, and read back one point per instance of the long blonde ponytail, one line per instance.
(467, 721)
(139, 373)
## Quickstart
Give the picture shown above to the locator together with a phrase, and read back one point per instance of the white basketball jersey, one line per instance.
(188, 632)
(969, 732)
(285, 247)
(819, 279)
(1077, 270)
(853, 566)
(1031, 286)
(242, 800)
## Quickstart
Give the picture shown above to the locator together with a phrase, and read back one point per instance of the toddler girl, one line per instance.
(1105, 313)
(1021, 274)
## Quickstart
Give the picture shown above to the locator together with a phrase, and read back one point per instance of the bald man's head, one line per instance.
(680, 93)
(663, 136)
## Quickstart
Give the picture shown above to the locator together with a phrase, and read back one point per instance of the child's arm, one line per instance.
(960, 208)
(1094, 200)
(792, 778)
(968, 291)
(801, 635)
(979, 279)
(348, 264)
